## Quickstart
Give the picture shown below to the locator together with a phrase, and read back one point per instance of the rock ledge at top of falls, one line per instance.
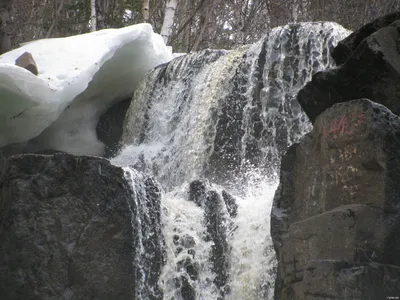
(80, 78)
(370, 69)
(335, 221)
(69, 230)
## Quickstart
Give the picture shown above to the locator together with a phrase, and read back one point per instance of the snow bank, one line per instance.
(79, 78)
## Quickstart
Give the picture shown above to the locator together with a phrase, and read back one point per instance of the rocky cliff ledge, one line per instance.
(369, 62)
(68, 230)
(336, 214)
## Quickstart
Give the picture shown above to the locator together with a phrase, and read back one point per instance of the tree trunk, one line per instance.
(145, 11)
(5, 27)
(186, 33)
(54, 23)
(166, 28)
(204, 25)
(93, 18)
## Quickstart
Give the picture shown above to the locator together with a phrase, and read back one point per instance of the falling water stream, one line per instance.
(210, 127)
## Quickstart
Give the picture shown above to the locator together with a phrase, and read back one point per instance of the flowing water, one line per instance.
(211, 127)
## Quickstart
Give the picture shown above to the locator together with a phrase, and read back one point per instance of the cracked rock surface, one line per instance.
(336, 214)
(65, 229)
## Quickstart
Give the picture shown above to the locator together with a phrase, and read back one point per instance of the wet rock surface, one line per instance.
(66, 229)
(336, 214)
(371, 70)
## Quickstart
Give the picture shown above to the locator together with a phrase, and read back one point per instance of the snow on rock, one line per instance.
(80, 77)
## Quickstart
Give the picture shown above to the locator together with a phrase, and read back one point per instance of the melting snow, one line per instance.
(79, 78)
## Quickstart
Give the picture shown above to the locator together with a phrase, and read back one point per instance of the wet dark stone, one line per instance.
(153, 258)
(197, 191)
(230, 203)
(218, 209)
(187, 290)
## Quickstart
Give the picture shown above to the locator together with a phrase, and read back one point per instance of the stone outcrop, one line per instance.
(68, 230)
(26, 61)
(371, 69)
(347, 46)
(336, 214)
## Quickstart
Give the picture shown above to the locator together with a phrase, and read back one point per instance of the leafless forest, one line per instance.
(187, 25)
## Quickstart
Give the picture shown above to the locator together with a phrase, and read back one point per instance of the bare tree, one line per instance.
(145, 11)
(57, 10)
(185, 25)
(205, 21)
(5, 28)
(93, 17)
(168, 22)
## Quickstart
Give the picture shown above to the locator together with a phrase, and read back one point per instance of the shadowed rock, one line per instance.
(346, 47)
(371, 71)
(68, 230)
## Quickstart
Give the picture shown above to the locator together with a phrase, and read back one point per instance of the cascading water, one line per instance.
(211, 127)
(147, 243)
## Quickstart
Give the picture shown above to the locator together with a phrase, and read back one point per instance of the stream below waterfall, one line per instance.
(210, 128)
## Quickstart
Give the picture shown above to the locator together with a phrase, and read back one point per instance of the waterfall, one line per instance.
(210, 127)
(147, 242)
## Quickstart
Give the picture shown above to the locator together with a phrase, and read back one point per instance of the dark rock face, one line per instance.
(2, 162)
(352, 281)
(67, 229)
(346, 47)
(336, 214)
(371, 71)
(109, 128)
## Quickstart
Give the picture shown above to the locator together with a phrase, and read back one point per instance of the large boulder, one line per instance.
(347, 46)
(371, 70)
(336, 214)
(68, 230)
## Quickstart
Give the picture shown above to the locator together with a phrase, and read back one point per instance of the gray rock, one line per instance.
(27, 62)
(348, 281)
(338, 200)
(66, 229)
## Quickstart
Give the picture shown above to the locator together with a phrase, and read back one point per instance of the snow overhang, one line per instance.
(80, 77)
